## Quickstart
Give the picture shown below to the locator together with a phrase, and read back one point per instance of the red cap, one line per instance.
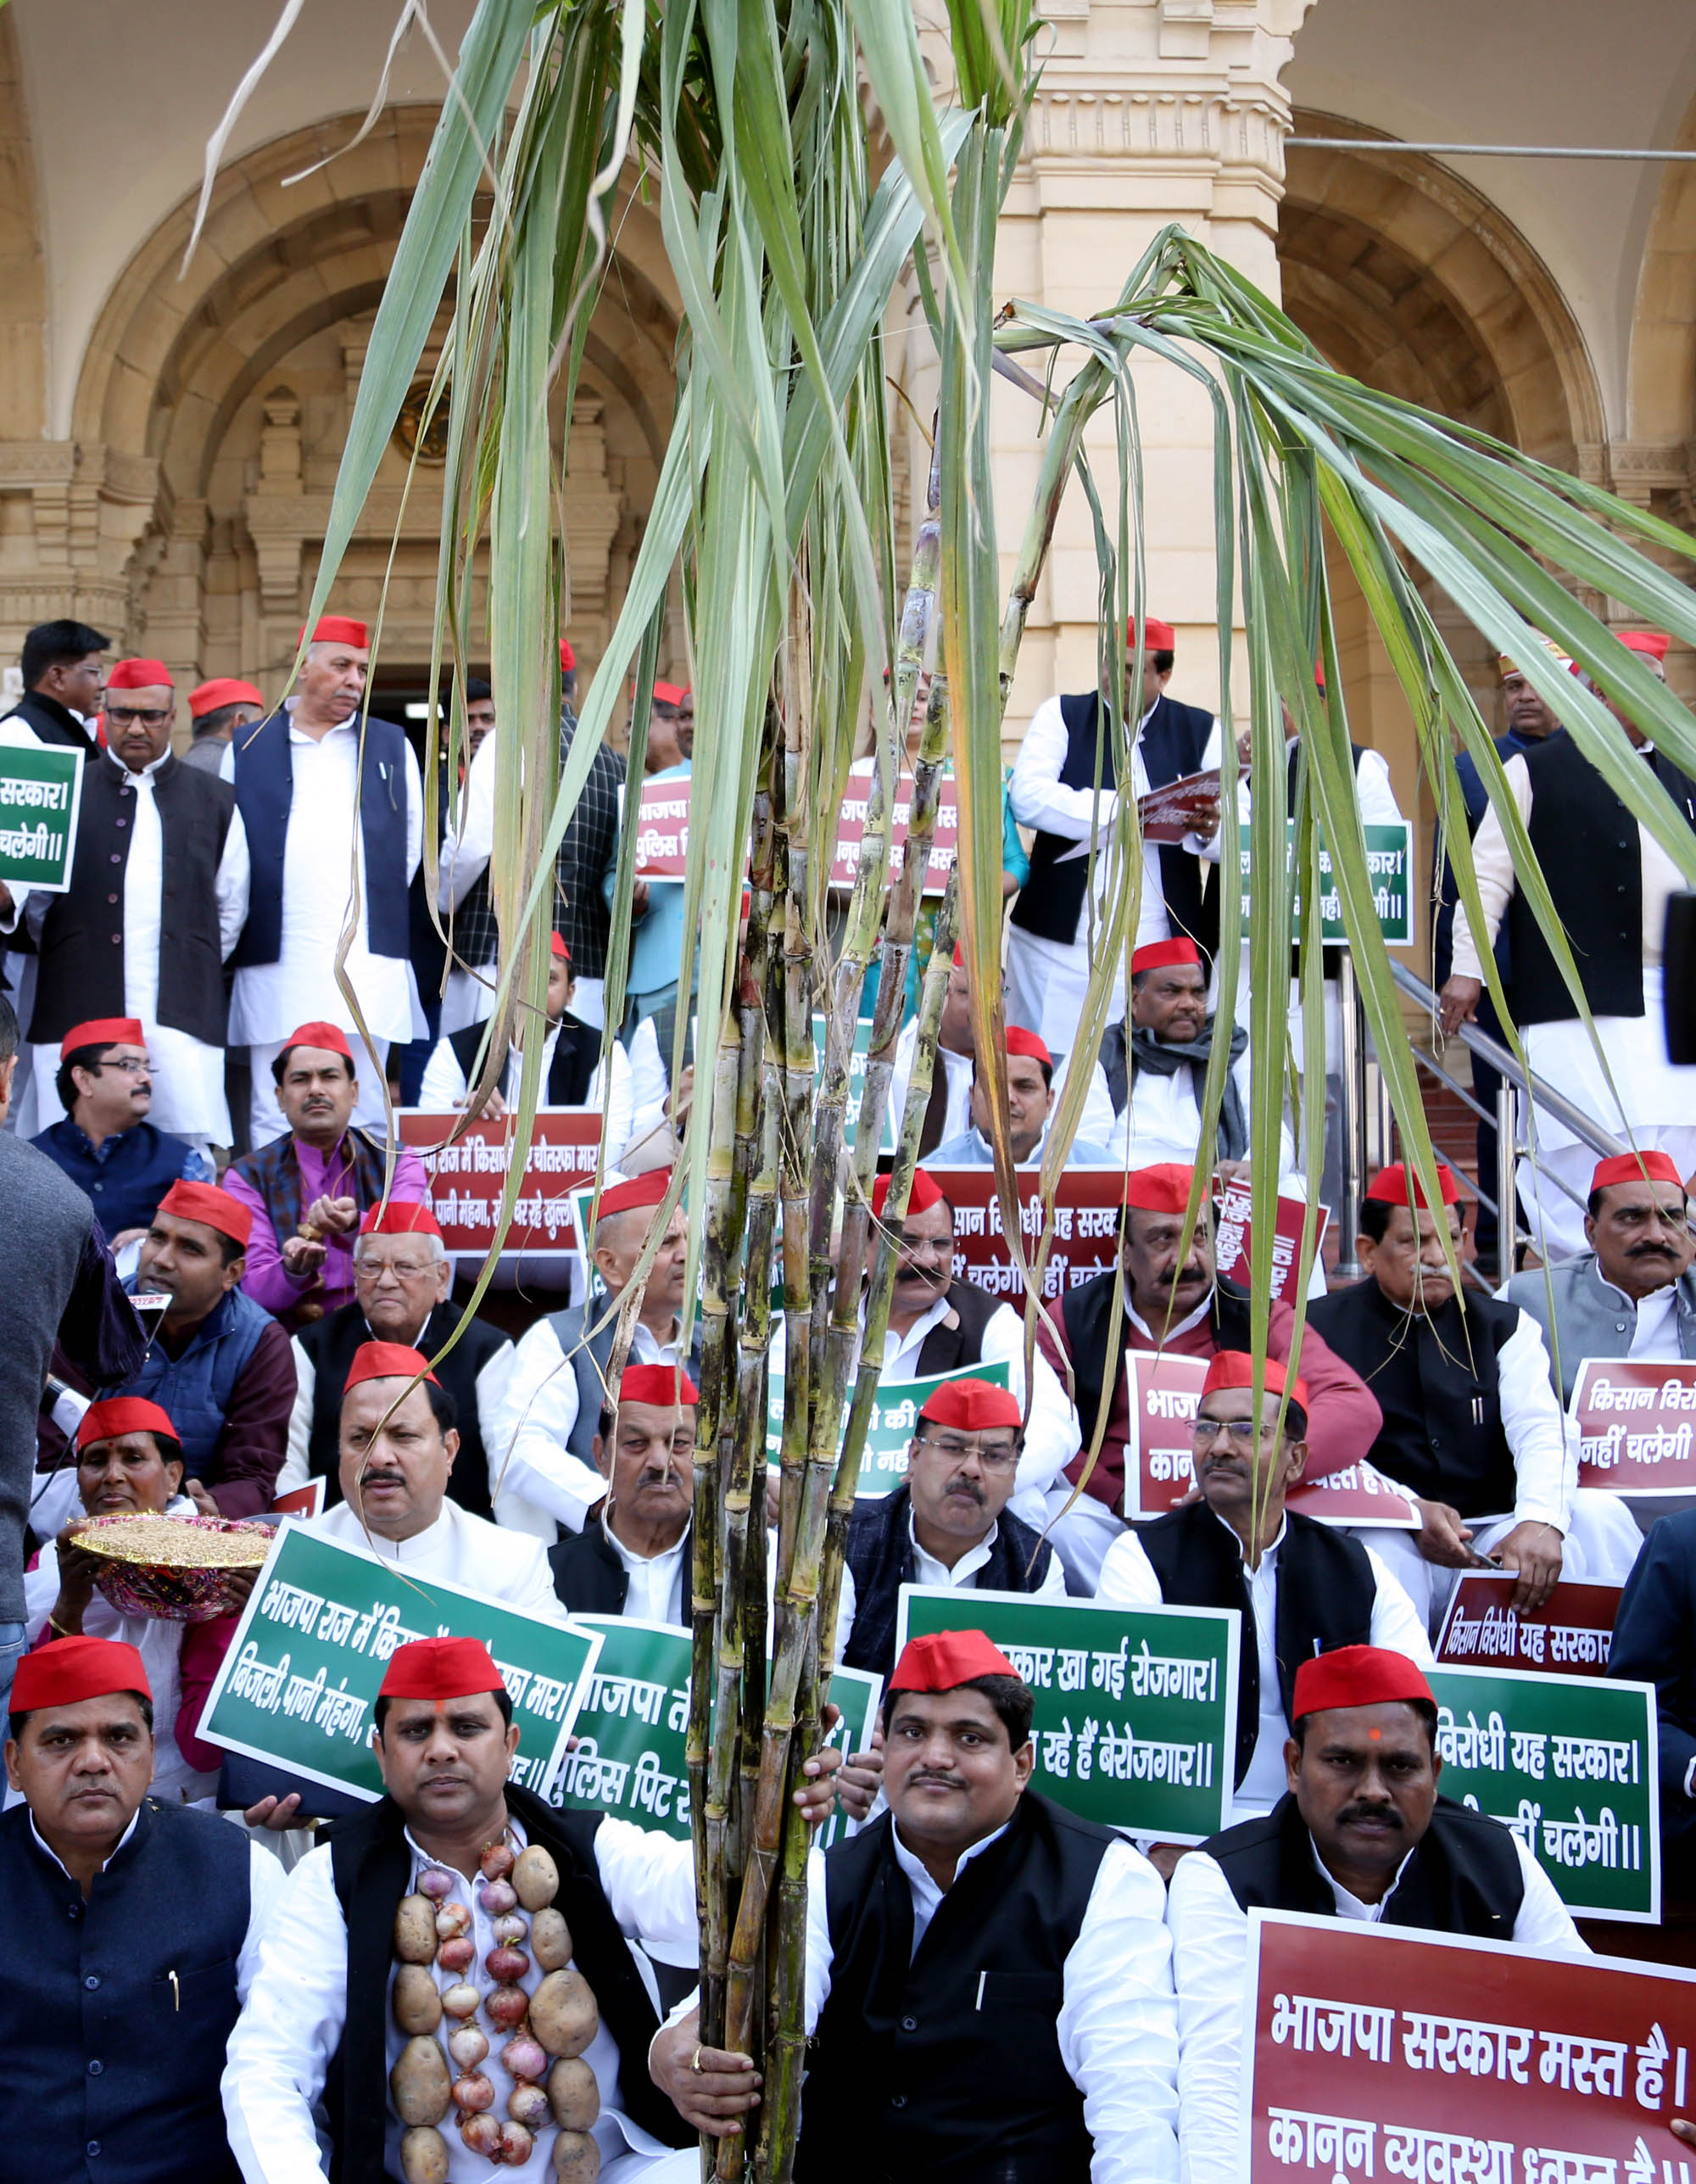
(972, 1407)
(640, 1191)
(1235, 1368)
(1654, 642)
(327, 1038)
(1022, 1042)
(1392, 1186)
(399, 1217)
(222, 690)
(440, 1668)
(387, 1361)
(1161, 955)
(666, 1386)
(568, 659)
(943, 1660)
(104, 1031)
(556, 942)
(1648, 1167)
(669, 693)
(215, 1209)
(1163, 1188)
(122, 1414)
(926, 1192)
(139, 675)
(339, 629)
(72, 1669)
(959, 957)
(1356, 1676)
(1157, 636)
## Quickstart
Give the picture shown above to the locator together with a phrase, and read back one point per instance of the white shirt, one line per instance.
(1210, 1963)
(540, 1409)
(444, 1086)
(320, 848)
(656, 1581)
(1128, 1580)
(280, 2049)
(1117, 2027)
(1163, 1118)
(1096, 1123)
(1052, 1438)
(927, 1571)
(1542, 1440)
(507, 1568)
(1656, 1334)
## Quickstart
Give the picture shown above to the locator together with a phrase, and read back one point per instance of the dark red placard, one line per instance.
(1637, 1424)
(1568, 1635)
(468, 1177)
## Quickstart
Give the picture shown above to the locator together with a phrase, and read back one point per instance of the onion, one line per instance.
(496, 1896)
(528, 2104)
(517, 2145)
(507, 1966)
(473, 2093)
(482, 2134)
(468, 2044)
(452, 1920)
(458, 1955)
(506, 2008)
(513, 1931)
(525, 2057)
(497, 1862)
(461, 2000)
(435, 1884)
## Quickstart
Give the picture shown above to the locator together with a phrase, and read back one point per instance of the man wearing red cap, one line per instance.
(402, 1281)
(548, 1423)
(1301, 1587)
(104, 1141)
(309, 780)
(1174, 1299)
(159, 891)
(1360, 1833)
(1610, 879)
(309, 1190)
(134, 1925)
(1069, 746)
(988, 1979)
(1632, 1293)
(1471, 1425)
(947, 1523)
(1031, 1097)
(632, 1558)
(218, 710)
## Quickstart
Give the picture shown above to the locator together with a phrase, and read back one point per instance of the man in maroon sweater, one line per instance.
(1175, 1302)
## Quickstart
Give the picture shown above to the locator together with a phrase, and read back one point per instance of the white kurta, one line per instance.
(927, 1571)
(444, 1086)
(540, 1411)
(1163, 1118)
(508, 1568)
(1118, 2023)
(658, 1583)
(1210, 1963)
(281, 2050)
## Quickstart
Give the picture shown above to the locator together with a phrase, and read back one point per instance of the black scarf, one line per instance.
(1164, 1057)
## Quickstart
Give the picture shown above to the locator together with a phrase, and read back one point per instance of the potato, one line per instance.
(535, 1878)
(573, 2094)
(564, 2014)
(550, 1940)
(417, 2005)
(423, 2156)
(415, 1930)
(576, 2158)
(420, 2082)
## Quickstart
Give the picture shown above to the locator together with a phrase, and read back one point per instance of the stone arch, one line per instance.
(23, 270)
(1657, 465)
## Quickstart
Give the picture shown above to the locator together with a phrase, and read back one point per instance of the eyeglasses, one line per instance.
(403, 1269)
(1244, 1432)
(955, 1452)
(126, 1065)
(150, 717)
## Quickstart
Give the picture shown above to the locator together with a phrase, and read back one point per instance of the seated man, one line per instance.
(1471, 1426)
(309, 1188)
(1001, 1963)
(1361, 1834)
(402, 1279)
(1654, 1642)
(558, 1385)
(1632, 1294)
(1031, 1098)
(946, 1524)
(632, 1558)
(218, 1364)
(1175, 1300)
(1303, 1587)
(105, 1143)
(135, 1924)
(129, 1461)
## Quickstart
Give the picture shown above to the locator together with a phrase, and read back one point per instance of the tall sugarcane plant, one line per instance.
(802, 169)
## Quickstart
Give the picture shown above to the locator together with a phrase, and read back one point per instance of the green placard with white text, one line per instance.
(895, 1414)
(40, 791)
(1390, 862)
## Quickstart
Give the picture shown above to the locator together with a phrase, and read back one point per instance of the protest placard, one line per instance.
(1181, 808)
(1569, 1763)
(662, 818)
(632, 1751)
(1135, 1721)
(858, 1055)
(1635, 1418)
(1389, 859)
(41, 794)
(1387, 2051)
(1233, 1239)
(301, 1501)
(1570, 1633)
(468, 1177)
(851, 830)
(299, 1682)
(1165, 1391)
(1086, 1210)
(895, 1415)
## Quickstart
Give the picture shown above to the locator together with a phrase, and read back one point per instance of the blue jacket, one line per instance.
(126, 1177)
(1654, 1642)
(195, 1389)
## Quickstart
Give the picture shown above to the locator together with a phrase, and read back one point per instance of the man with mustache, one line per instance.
(1032, 1097)
(632, 1558)
(1360, 1833)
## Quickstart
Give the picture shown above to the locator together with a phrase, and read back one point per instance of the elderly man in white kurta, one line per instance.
(334, 809)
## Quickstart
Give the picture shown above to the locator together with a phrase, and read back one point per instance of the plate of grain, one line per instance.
(188, 1569)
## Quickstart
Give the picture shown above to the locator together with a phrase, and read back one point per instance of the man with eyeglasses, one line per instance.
(946, 1524)
(1302, 1586)
(105, 1142)
(158, 895)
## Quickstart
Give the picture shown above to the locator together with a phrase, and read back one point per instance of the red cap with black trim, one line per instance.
(122, 1414)
(72, 1669)
(213, 1208)
(440, 1668)
(1357, 1676)
(943, 1660)
(388, 1361)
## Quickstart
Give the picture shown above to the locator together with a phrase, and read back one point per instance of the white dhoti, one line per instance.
(1599, 1548)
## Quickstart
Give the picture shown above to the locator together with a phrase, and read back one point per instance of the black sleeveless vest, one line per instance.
(951, 1349)
(880, 1555)
(945, 2065)
(569, 1073)
(1325, 1592)
(1464, 1876)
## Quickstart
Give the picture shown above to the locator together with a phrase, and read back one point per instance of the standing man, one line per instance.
(63, 675)
(659, 948)
(158, 895)
(334, 810)
(1054, 791)
(104, 1141)
(1610, 879)
(218, 709)
(632, 1558)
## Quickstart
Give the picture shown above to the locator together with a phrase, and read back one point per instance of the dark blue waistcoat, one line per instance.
(126, 1187)
(194, 1389)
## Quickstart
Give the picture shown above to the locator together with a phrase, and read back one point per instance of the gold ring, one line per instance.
(694, 2062)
